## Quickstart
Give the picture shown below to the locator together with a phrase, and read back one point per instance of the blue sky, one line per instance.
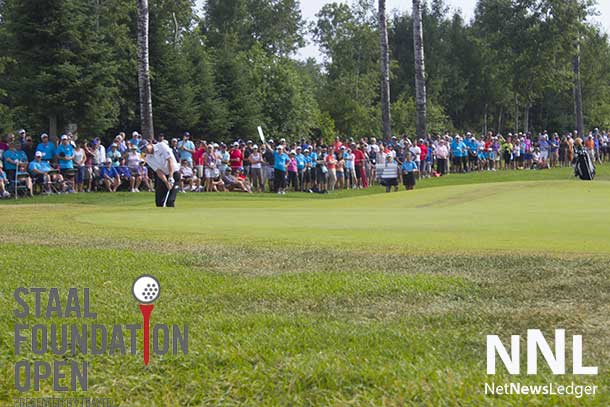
(311, 7)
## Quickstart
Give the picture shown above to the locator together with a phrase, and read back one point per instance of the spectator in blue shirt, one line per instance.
(280, 164)
(43, 173)
(186, 148)
(114, 155)
(13, 157)
(300, 158)
(409, 168)
(46, 148)
(110, 177)
(65, 154)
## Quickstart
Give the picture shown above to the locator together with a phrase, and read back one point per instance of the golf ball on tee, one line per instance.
(146, 289)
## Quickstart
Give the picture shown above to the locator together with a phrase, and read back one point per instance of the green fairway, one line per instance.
(357, 298)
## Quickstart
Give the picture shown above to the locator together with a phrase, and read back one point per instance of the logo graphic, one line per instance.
(146, 289)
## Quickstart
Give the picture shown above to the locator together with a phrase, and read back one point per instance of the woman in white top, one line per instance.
(79, 164)
(256, 170)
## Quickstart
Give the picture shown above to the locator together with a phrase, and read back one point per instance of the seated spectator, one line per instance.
(232, 183)
(110, 177)
(23, 177)
(189, 179)
(3, 182)
(43, 174)
(143, 177)
(241, 176)
(127, 176)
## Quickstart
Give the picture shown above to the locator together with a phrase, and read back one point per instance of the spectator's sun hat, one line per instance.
(135, 133)
(22, 131)
(133, 147)
(293, 152)
(114, 145)
(236, 144)
(282, 140)
(187, 134)
(64, 137)
(44, 135)
(342, 148)
(255, 147)
(38, 154)
(249, 142)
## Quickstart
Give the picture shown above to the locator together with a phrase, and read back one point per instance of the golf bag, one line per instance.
(583, 167)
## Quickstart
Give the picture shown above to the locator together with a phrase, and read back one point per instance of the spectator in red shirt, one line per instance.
(424, 153)
(359, 159)
(198, 158)
(236, 157)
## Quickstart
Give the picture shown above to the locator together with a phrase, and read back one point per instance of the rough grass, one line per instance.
(345, 311)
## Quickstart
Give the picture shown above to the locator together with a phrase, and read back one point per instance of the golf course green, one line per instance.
(355, 298)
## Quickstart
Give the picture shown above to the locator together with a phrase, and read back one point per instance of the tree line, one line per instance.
(220, 72)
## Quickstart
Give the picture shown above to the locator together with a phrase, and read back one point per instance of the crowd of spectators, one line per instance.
(70, 164)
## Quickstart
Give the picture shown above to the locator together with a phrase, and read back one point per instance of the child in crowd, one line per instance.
(409, 169)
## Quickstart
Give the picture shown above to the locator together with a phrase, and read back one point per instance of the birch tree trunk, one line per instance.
(146, 113)
(385, 72)
(420, 70)
(580, 122)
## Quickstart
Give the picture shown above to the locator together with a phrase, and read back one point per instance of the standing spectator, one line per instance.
(236, 158)
(28, 148)
(114, 155)
(293, 178)
(210, 168)
(300, 157)
(46, 148)
(12, 158)
(268, 164)
(409, 168)
(256, 169)
(198, 159)
(359, 161)
(389, 176)
(340, 170)
(281, 161)
(175, 150)
(331, 166)
(441, 154)
(186, 148)
(80, 158)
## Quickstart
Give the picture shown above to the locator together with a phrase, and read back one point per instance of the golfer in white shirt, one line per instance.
(161, 159)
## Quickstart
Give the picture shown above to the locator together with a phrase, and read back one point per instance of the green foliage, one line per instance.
(223, 73)
(403, 117)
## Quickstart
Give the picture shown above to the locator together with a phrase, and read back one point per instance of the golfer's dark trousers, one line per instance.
(161, 192)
